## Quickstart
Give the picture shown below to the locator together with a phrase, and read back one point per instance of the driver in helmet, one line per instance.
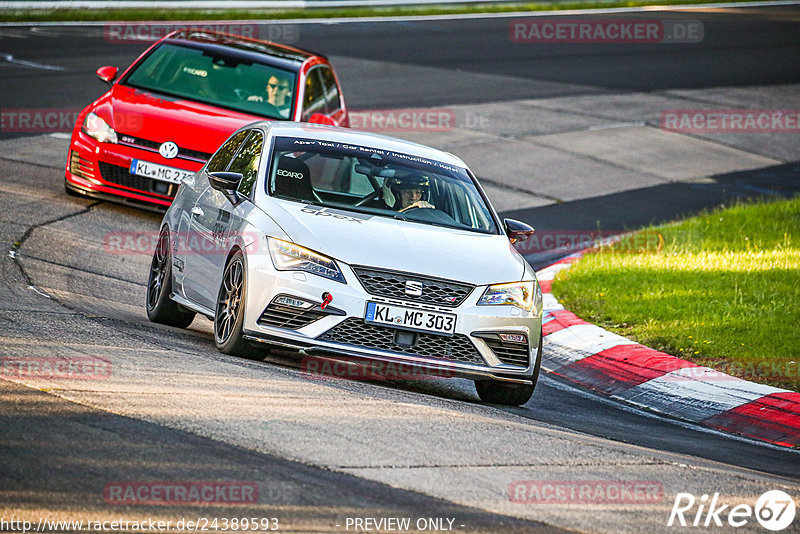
(404, 193)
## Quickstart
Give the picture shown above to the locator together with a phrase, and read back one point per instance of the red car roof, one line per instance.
(245, 44)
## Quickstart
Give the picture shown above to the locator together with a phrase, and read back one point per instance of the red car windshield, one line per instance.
(225, 81)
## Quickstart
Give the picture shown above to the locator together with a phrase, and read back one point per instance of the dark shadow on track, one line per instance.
(634, 209)
(70, 465)
(558, 403)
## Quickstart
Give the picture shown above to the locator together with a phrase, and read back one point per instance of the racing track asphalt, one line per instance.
(555, 404)
(256, 414)
(173, 392)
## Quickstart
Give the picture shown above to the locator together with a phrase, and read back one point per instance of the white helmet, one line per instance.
(393, 186)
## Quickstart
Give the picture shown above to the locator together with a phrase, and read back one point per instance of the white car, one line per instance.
(337, 242)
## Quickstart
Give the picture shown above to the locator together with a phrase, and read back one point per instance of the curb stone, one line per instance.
(616, 367)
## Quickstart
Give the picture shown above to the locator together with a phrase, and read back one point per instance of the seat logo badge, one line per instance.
(168, 150)
(413, 288)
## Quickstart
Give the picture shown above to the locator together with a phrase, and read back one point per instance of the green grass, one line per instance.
(721, 289)
(42, 15)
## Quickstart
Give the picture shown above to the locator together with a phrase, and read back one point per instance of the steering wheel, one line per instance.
(430, 215)
(412, 208)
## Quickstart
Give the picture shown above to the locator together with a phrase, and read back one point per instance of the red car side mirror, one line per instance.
(107, 74)
(319, 118)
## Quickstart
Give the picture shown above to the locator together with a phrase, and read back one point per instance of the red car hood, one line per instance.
(159, 118)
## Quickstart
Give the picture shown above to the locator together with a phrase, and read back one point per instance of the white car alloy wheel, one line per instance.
(229, 313)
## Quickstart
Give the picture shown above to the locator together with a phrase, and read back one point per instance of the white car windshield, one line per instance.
(377, 181)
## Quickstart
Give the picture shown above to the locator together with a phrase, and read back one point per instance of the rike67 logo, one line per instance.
(774, 510)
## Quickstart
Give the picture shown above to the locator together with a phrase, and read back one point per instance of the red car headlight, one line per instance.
(96, 127)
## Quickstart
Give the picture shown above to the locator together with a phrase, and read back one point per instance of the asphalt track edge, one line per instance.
(621, 369)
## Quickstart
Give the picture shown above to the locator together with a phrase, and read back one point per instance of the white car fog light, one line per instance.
(514, 338)
(285, 300)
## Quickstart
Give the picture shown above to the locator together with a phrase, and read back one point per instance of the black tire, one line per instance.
(229, 312)
(161, 308)
(497, 392)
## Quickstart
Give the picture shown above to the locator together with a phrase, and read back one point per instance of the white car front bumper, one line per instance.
(474, 351)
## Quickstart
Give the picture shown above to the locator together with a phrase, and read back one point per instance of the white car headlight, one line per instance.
(290, 257)
(96, 127)
(518, 294)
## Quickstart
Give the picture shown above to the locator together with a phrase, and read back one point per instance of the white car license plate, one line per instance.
(411, 318)
(159, 172)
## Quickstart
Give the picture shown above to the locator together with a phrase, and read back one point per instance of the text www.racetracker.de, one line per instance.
(199, 524)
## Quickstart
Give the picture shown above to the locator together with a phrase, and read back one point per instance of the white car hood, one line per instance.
(361, 239)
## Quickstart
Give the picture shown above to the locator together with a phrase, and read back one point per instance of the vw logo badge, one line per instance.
(413, 288)
(169, 149)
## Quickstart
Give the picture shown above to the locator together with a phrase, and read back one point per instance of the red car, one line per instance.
(180, 100)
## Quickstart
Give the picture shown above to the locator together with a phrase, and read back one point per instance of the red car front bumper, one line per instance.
(102, 170)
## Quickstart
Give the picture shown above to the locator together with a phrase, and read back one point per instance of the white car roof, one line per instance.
(337, 134)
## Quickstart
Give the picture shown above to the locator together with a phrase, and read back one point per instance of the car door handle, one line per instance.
(197, 210)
